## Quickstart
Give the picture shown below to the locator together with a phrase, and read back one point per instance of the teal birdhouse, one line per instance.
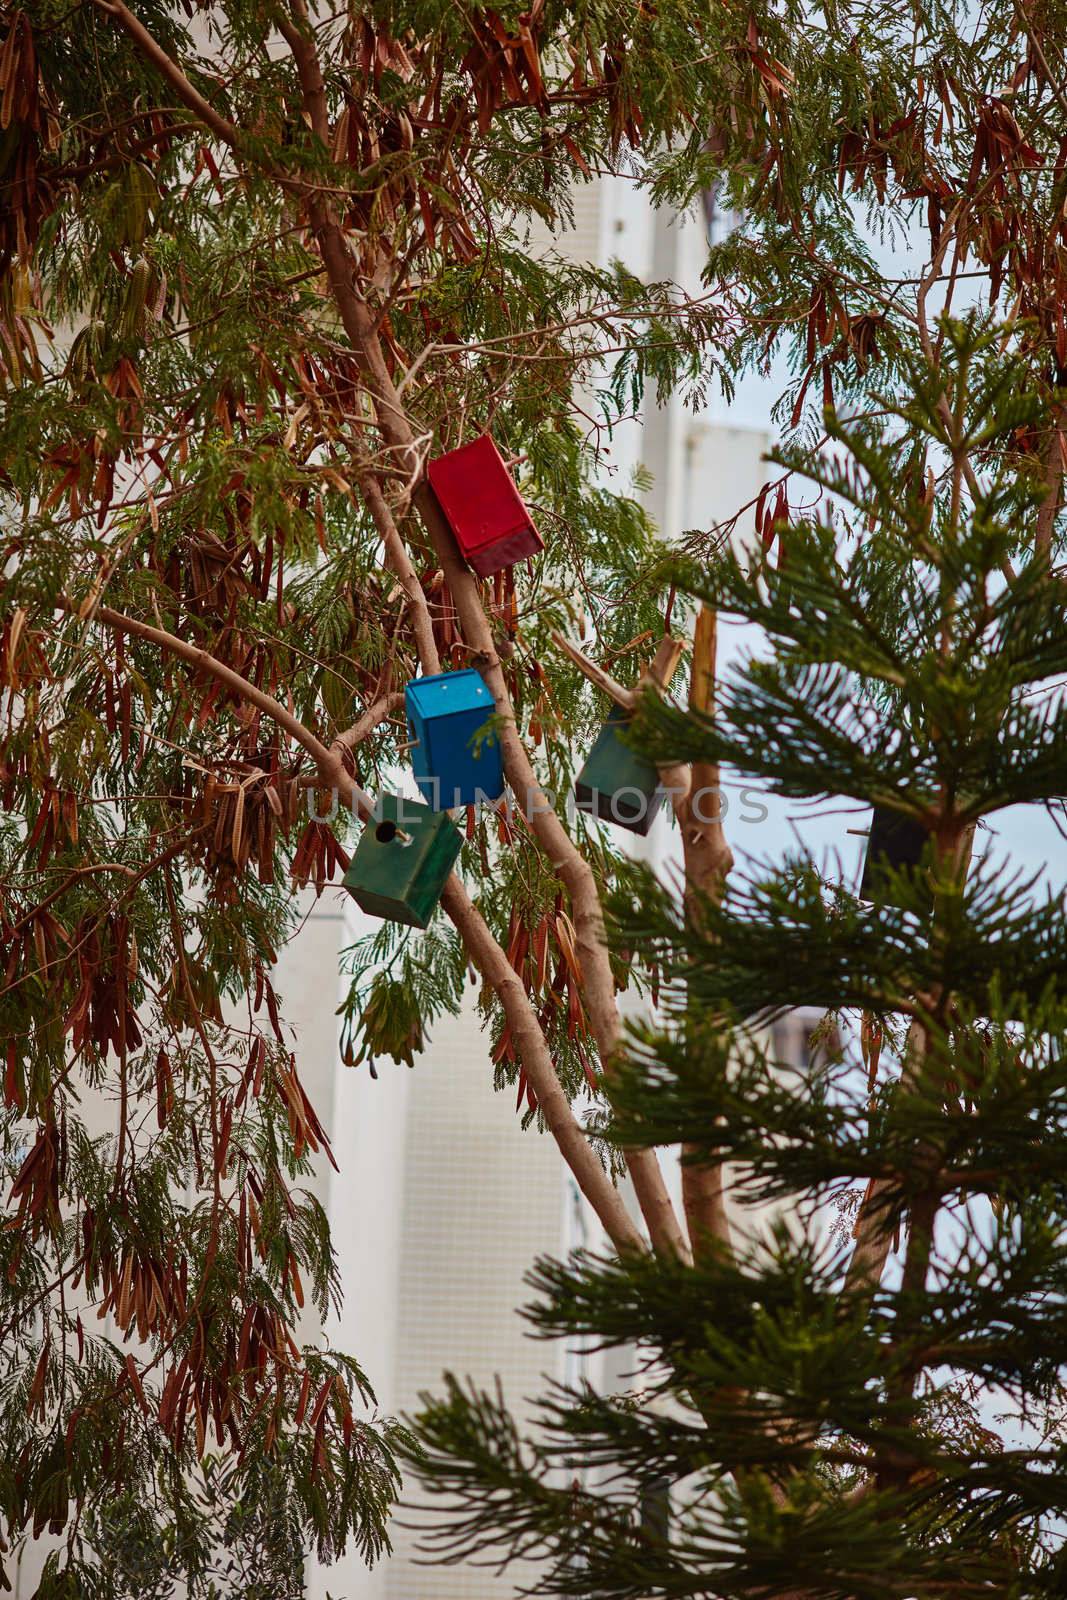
(402, 861)
(455, 758)
(616, 784)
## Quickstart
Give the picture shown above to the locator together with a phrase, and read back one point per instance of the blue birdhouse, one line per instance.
(454, 759)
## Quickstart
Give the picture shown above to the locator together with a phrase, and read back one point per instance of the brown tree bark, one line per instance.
(708, 860)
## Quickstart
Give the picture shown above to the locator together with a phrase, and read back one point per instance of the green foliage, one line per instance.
(824, 1433)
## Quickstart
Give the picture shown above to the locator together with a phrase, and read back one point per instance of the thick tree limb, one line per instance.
(708, 860)
(573, 1145)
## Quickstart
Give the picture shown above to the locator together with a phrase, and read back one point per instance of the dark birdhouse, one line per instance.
(404, 855)
(894, 843)
(483, 507)
(616, 784)
(454, 759)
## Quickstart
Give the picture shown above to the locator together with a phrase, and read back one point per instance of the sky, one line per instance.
(1026, 835)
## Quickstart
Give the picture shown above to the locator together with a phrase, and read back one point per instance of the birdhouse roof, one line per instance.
(449, 694)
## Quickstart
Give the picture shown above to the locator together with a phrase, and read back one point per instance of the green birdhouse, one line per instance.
(404, 856)
(616, 784)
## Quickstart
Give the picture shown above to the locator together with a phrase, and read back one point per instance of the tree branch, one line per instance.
(397, 558)
(366, 724)
(537, 1063)
(675, 777)
(573, 870)
(1036, 45)
(325, 759)
(707, 859)
(467, 919)
(169, 69)
(626, 698)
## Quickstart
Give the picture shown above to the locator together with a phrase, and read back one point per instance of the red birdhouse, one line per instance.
(484, 509)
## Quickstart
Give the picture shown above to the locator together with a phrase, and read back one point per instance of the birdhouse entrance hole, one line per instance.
(387, 832)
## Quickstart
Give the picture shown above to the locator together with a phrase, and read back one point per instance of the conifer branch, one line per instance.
(872, 1231)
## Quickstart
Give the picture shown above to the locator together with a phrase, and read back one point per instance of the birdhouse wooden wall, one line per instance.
(402, 861)
(484, 509)
(894, 842)
(454, 759)
(616, 784)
